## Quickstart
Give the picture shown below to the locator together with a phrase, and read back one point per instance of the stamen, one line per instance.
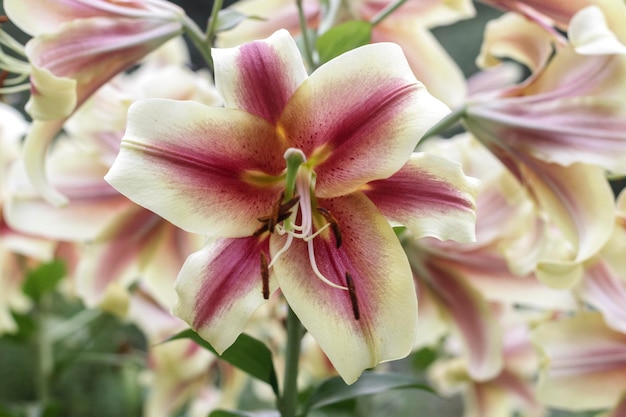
(353, 298)
(317, 271)
(328, 216)
(265, 276)
(3, 19)
(282, 250)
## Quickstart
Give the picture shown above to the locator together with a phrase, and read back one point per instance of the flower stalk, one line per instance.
(289, 400)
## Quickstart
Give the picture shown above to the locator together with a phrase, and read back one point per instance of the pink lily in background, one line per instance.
(77, 46)
(557, 14)
(280, 179)
(121, 241)
(463, 279)
(558, 132)
(585, 363)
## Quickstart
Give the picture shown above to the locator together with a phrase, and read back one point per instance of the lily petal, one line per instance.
(431, 196)
(514, 37)
(385, 112)
(580, 203)
(589, 33)
(203, 154)
(91, 52)
(586, 366)
(110, 265)
(93, 204)
(36, 17)
(377, 320)
(606, 292)
(220, 287)
(430, 62)
(570, 112)
(469, 310)
(260, 77)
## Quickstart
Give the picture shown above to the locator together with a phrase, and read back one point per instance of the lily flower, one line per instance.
(77, 46)
(279, 179)
(558, 132)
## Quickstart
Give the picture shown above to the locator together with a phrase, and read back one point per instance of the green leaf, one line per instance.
(334, 390)
(343, 38)
(247, 353)
(44, 279)
(228, 19)
(423, 358)
(228, 413)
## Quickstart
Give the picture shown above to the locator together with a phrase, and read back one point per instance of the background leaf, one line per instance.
(228, 19)
(247, 353)
(229, 413)
(343, 38)
(43, 279)
(335, 390)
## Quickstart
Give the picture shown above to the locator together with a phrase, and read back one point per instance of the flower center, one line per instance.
(299, 195)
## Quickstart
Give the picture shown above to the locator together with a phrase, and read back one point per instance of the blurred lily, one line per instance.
(122, 242)
(280, 180)
(463, 279)
(509, 391)
(557, 14)
(558, 132)
(585, 363)
(77, 46)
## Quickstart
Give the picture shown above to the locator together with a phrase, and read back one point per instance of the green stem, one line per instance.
(446, 123)
(199, 40)
(386, 12)
(306, 40)
(210, 30)
(44, 355)
(289, 400)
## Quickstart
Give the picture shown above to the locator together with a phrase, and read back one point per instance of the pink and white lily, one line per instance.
(279, 178)
(77, 46)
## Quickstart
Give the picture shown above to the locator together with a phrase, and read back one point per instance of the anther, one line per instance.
(265, 276)
(4, 19)
(353, 298)
(328, 216)
(280, 212)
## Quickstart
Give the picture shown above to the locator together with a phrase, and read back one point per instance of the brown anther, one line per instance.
(280, 212)
(328, 216)
(353, 298)
(265, 276)
(3, 19)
